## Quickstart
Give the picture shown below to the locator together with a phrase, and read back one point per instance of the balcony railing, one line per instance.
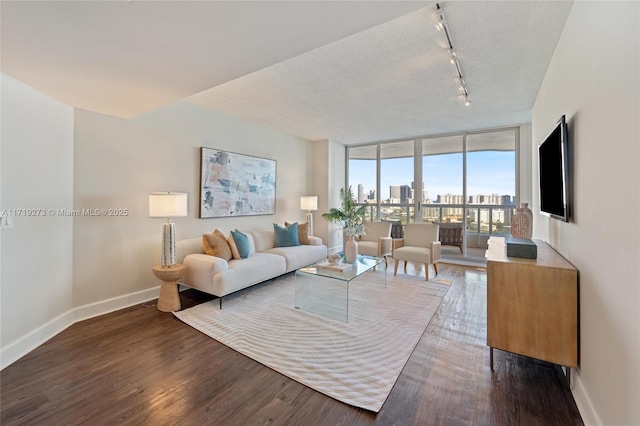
(483, 220)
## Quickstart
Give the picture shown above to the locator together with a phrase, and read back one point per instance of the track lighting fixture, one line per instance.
(453, 56)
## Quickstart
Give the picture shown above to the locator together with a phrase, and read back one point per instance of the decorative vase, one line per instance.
(351, 250)
(522, 222)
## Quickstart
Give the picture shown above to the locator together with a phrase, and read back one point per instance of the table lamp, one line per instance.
(168, 205)
(308, 203)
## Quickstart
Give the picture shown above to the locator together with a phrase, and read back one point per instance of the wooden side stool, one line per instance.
(169, 300)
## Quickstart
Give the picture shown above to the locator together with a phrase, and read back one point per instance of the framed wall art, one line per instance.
(235, 184)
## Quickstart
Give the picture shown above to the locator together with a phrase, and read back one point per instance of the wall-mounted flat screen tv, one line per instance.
(554, 173)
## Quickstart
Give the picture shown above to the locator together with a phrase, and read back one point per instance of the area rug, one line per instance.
(357, 362)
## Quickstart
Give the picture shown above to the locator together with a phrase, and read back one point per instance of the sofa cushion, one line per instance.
(233, 246)
(243, 273)
(286, 236)
(300, 256)
(303, 232)
(264, 239)
(215, 244)
(242, 244)
(187, 247)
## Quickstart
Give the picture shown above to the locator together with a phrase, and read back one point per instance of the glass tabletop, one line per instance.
(353, 270)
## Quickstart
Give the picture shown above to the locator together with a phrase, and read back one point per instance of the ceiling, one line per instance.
(350, 71)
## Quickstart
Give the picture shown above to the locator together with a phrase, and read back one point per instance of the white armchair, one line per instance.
(420, 245)
(376, 241)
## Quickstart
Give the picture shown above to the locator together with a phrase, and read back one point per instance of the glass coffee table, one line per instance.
(325, 291)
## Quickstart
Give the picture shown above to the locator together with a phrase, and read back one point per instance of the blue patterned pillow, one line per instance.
(286, 236)
(242, 243)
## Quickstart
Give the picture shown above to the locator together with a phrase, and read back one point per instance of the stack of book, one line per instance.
(338, 267)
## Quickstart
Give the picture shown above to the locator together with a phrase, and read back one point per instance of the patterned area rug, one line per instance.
(356, 362)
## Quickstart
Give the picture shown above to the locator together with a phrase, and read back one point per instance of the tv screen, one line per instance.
(554, 173)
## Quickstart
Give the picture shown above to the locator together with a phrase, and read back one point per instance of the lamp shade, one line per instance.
(309, 202)
(167, 204)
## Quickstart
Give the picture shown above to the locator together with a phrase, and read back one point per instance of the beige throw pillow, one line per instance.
(234, 248)
(215, 244)
(303, 232)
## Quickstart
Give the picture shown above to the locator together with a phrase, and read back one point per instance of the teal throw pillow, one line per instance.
(286, 236)
(242, 243)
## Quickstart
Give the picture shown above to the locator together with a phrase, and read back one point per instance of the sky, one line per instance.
(488, 172)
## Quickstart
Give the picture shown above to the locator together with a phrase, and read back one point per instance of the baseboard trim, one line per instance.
(481, 263)
(585, 407)
(37, 337)
(115, 303)
(19, 348)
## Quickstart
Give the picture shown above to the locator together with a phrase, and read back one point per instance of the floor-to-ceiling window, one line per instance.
(442, 165)
(491, 186)
(362, 177)
(464, 182)
(396, 181)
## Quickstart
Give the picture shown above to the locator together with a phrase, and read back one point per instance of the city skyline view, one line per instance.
(488, 172)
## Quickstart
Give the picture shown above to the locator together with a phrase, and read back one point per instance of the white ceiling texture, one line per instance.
(350, 71)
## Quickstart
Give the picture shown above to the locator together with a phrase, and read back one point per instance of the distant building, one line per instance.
(394, 193)
(360, 193)
(500, 200)
(405, 194)
(450, 199)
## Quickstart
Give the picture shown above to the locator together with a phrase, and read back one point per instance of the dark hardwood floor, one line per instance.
(144, 367)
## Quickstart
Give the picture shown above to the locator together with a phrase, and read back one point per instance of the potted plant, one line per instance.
(351, 217)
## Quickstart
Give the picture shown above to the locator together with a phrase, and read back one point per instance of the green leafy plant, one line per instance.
(349, 215)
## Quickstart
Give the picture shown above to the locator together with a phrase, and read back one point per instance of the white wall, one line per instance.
(594, 80)
(118, 162)
(59, 269)
(329, 166)
(36, 173)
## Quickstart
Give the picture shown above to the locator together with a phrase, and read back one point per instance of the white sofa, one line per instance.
(216, 276)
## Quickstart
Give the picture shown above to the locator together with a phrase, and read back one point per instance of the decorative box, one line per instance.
(521, 247)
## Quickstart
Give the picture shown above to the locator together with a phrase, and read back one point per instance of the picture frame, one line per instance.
(233, 184)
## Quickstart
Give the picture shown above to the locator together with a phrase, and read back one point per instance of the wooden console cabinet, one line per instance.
(532, 305)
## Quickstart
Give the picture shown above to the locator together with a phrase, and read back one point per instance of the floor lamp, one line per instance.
(168, 205)
(308, 203)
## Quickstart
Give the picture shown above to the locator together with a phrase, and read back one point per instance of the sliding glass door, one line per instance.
(491, 186)
(442, 165)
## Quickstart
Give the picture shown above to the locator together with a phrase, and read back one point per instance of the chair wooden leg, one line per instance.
(426, 271)
(386, 264)
(395, 269)
(435, 266)
(405, 266)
